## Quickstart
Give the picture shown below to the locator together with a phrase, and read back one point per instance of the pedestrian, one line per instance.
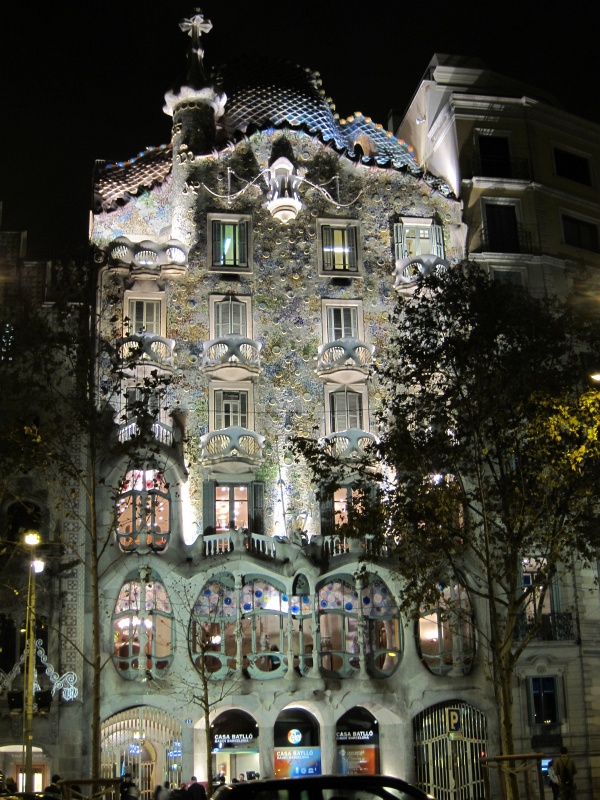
(553, 780)
(565, 769)
(156, 792)
(165, 792)
(53, 788)
(195, 790)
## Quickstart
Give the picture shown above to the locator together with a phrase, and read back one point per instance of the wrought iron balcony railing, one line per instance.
(556, 627)
(345, 360)
(499, 167)
(508, 240)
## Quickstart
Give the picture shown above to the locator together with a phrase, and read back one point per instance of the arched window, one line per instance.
(446, 632)
(143, 509)
(142, 622)
(339, 610)
(302, 634)
(264, 610)
(383, 644)
(212, 632)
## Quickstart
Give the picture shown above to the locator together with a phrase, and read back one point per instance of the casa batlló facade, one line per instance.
(247, 273)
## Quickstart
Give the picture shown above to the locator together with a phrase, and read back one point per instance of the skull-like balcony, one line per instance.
(232, 358)
(226, 449)
(165, 259)
(351, 443)
(345, 360)
(140, 354)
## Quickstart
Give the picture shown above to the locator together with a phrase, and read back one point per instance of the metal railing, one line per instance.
(510, 240)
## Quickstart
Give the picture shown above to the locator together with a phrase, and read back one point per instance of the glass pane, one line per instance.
(240, 507)
(222, 507)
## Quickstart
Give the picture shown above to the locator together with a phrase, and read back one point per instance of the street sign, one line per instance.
(453, 721)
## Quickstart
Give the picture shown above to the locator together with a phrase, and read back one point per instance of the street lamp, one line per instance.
(32, 539)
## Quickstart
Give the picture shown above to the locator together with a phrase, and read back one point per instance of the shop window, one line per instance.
(212, 632)
(446, 632)
(142, 623)
(544, 704)
(143, 512)
(417, 237)
(230, 506)
(229, 242)
(144, 316)
(573, 166)
(338, 247)
(580, 233)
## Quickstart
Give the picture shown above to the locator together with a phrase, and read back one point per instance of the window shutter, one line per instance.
(243, 423)
(238, 319)
(327, 246)
(327, 517)
(338, 411)
(218, 410)
(350, 328)
(398, 240)
(221, 318)
(351, 243)
(437, 245)
(242, 236)
(258, 501)
(208, 507)
(217, 244)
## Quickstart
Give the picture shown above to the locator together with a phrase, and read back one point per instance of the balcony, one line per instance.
(500, 167)
(145, 352)
(411, 269)
(225, 449)
(148, 257)
(351, 443)
(507, 240)
(345, 360)
(556, 627)
(163, 434)
(232, 358)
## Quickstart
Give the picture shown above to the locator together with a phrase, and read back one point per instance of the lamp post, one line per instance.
(32, 539)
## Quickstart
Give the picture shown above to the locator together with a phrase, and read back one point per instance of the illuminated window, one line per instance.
(338, 247)
(212, 642)
(446, 632)
(233, 506)
(417, 237)
(142, 622)
(144, 316)
(229, 242)
(143, 512)
(264, 612)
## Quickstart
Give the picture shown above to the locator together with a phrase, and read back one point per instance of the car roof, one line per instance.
(314, 784)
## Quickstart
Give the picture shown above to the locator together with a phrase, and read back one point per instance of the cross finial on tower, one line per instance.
(195, 26)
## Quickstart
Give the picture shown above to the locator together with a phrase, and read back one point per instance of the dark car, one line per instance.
(322, 787)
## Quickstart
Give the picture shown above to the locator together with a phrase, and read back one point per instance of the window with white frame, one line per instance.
(230, 316)
(231, 408)
(144, 316)
(415, 236)
(338, 247)
(345, 410)
(229, 242)
(342, 322)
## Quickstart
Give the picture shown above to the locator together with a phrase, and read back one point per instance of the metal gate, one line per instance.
(144, 742)
(450, 739)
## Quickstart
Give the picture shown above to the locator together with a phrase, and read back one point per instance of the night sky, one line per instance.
(86, 80)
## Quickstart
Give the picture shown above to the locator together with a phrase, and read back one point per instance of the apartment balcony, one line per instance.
(167, 259)
(508, 240)
(163, 434)
(411, 269)
(351, 443)
(232, 358)
(556, 627)
(345, 361)
(499, 167)
(224, 542)
(144, 353)
(333, 545)
(225, 449)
